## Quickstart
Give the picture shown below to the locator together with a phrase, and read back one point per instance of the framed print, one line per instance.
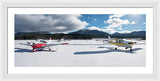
(82, 41)
(44, 40)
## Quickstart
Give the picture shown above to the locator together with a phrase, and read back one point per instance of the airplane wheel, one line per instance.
(115, 48)
(130, 49)
(34, 50)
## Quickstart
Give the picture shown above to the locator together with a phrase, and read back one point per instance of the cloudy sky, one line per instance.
(64, 23)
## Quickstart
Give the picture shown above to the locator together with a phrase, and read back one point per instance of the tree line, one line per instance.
(34, 36)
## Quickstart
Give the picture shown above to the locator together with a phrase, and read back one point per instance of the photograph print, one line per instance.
(80, 40)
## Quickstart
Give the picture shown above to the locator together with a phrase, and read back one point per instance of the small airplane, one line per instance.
(40, 44)
(120, 43)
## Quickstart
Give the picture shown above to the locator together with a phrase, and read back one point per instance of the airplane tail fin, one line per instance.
(109, 37)
(106, 41)
(49, 41)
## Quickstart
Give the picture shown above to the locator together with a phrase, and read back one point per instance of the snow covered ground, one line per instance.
(80, 53)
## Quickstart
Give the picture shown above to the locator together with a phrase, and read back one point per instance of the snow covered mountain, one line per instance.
(134, 34)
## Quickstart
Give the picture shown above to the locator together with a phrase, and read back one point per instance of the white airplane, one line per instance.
(120, 43)
(41, 44)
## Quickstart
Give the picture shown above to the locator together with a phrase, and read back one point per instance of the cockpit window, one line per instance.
(119, 41)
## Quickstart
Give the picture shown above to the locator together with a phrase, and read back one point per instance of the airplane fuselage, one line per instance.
(128, 45)
(34, 46)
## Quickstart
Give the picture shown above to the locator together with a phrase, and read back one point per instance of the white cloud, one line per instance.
(133, 22)
(115, 21)
(125, 31)
(106, 29)
(97, 28)
(51, 23)
(116, 15)
(137, 30)
(110, 30)
(94, 28)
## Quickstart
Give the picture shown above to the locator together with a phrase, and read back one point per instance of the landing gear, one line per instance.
(130, 49)
(49, 49)
(115, 48)
(34, 50)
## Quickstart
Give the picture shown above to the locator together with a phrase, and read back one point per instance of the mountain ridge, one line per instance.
(80, 34)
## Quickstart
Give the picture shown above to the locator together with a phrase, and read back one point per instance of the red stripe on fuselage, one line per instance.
(65, 43)
(38, 45)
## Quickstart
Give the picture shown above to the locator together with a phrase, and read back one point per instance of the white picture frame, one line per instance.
(77, 4)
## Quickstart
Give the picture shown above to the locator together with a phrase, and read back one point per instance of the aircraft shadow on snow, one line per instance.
(84, 44)
(22, 50)
(109, 50)
(29, 50)
(24, 44)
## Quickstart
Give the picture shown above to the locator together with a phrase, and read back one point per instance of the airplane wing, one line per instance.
(52, 44)
(25, 44)
(56, 44)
